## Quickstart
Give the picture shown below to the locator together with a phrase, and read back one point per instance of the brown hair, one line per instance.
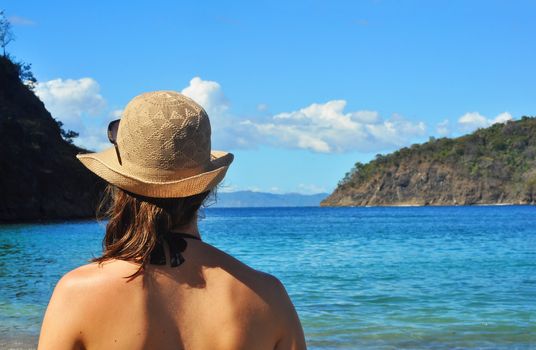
(136, 223)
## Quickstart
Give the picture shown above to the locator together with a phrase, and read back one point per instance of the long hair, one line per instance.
(136, 223)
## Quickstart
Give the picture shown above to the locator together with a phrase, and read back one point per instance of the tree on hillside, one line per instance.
(26, 75)
(68, 135)
(6, 34)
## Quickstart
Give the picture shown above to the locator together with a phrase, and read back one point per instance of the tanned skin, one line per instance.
(211, 301)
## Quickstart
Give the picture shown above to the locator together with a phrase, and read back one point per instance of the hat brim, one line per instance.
(106, 165)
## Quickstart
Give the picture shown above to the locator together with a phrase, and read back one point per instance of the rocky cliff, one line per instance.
(496, 165)
(40, 178)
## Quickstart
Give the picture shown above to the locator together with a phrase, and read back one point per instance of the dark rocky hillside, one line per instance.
(40, 178)
(496, 165)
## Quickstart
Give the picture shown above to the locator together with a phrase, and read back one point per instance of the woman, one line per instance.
(157, 284)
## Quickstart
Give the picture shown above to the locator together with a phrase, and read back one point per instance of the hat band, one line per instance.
(161, 175)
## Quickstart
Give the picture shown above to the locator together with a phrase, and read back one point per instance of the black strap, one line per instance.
(183, 235)
(177, 245)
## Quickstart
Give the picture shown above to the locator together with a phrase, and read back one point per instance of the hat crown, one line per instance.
(164, 130)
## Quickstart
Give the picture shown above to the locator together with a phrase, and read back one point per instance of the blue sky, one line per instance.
(298, 91)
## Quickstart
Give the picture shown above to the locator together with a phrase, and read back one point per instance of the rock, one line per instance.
(496, 165)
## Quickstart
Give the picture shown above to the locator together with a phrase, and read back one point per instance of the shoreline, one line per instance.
(402, 205)
(412, 205)
(21, 341)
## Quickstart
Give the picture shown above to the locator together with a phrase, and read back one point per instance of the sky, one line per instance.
(298, 90)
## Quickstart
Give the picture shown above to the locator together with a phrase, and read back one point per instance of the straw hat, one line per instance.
(162, 149)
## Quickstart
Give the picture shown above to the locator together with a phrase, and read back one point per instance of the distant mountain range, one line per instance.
(241, 199)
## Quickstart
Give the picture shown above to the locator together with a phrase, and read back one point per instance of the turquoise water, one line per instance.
(361, 278)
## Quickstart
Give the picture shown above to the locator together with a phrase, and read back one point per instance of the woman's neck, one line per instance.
(191, 228)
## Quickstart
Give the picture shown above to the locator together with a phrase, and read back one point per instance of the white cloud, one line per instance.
(502, 118)
(319, 127)
(366, 116)
(78, 104)
(327, 128)
(443, 128)
(93, 138)
(262, 107)
(227, 130)
(286, 135)
(68, 100)
(208, 94)
(474, 120)
(20, 21)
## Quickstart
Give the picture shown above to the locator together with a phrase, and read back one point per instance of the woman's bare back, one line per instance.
(211, 301)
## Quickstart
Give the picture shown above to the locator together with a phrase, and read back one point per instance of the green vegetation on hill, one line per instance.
(490, 166)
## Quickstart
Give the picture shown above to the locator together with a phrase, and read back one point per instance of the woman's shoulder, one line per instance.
(77, 278)
(94, 277)
(244, 277)
(253, 290)
(96, 272)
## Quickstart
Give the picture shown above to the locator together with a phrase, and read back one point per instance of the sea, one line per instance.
(360, 278)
